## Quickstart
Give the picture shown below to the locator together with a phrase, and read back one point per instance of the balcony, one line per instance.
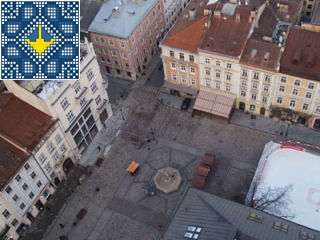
(102, 105)
(80, 94)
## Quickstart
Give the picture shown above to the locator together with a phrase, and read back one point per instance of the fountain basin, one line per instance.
(167, 180)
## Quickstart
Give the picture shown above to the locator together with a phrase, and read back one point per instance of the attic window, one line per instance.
(192, 232)
(253, 53)
(266, 56)
(280, 226)
(255, 217)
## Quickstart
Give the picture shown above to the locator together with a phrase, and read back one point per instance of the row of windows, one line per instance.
(256, 75)
(292, 104)
(254, 85)
(297, 82)
(7, 215)
(181, 56)
(56, 155)
(108, 61)
(217, 63)
(109, 41)
(183, 68)
(113, 53)
(296, 92)
(65, 103)
(122, 44)
(183, 79)
(218, 85)
(24, 185)
(254, 96)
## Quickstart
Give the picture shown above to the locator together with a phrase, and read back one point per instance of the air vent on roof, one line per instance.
(131, 12)
(107, 18)
(115, 11)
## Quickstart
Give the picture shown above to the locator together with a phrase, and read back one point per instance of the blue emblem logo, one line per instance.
(40, 40)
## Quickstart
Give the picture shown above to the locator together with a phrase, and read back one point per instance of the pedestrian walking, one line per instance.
(61, 225)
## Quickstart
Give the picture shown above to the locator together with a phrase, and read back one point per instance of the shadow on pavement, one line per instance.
(54, 205)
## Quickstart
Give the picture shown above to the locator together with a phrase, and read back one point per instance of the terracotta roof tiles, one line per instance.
(189, 38)
(11, 160)
(260, 54)
(22, 123)
(227, 35)
(188, 31)
(301, 56)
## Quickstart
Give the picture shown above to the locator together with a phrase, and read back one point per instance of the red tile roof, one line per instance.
(286, 11)
(301, 56)
(187, 34)
(11, 160)
(266, 25)
(260, 54)
(22, 123)
(226, 35)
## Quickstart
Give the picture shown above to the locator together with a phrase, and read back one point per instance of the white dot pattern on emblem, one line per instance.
(23, 24)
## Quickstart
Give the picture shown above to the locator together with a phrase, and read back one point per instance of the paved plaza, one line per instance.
(117, 206)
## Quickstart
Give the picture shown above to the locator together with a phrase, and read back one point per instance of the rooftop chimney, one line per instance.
(297, 56)
(192, 14)
(217, 14)
(238, 17)
(311, 60)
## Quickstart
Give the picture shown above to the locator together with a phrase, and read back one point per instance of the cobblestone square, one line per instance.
(120, 209)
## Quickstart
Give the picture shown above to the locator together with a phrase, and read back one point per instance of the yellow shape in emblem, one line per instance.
(40, 45)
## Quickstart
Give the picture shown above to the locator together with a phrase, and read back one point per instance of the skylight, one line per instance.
(192, 232)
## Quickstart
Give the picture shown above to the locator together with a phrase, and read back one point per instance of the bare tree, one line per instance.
(271, 200)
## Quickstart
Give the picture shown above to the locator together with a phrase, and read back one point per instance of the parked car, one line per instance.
(185, 104)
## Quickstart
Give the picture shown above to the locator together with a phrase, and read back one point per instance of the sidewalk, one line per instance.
(294, 132)
(147, 72)
(104, 139)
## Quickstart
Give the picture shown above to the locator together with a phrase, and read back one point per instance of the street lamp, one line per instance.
(153, 137)
(287, 130)
(152, 132)
(121, 114)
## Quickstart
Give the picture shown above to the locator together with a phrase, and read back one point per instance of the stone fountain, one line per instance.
(167, 180)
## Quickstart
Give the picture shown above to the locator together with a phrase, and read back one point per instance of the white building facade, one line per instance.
(81, 106)
(22, 198)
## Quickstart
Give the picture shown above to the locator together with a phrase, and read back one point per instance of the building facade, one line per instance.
(35, 158)
(82, 106)
(172, 11)
(180, 55)
(126, 35)
(252, 62)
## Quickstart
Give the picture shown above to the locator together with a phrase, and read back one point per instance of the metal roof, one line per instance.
(221, 219)
(120, 19)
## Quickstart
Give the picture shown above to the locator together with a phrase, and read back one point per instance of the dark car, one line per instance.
(185, 104)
